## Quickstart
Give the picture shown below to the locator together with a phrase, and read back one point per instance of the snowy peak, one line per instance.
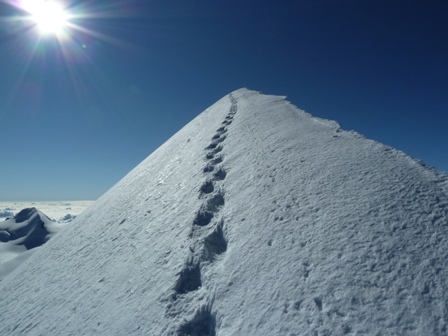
(29, 227)
(21, 236)
(254, 219)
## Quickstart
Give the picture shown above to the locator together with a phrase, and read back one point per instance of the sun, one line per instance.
(48, 16)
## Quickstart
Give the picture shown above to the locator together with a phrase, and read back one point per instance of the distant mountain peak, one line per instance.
(29, 227)
(21, 235)
(25, 214)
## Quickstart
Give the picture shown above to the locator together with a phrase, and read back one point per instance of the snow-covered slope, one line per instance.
(254, 219)
(21, 235)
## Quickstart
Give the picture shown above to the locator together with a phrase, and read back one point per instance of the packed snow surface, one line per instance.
(254, 219)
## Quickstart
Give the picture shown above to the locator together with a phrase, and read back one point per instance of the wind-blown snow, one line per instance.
(254, 219)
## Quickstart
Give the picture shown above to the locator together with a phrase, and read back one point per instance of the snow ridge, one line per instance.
(208, 240)
(253, 219)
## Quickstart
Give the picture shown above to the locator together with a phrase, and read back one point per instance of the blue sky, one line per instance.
(77, 115)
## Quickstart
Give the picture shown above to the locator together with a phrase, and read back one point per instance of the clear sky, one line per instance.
(79, 110)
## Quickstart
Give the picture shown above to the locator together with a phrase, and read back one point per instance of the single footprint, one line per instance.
(208, 168)
(207, 187)
(215, 243)
(217, 160)
(213, 145)
(220, 174)
(202, 324)
(205, 214)
(217, 149)
(189, 279)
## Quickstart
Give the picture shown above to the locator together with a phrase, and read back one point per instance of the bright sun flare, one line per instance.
(49, 16)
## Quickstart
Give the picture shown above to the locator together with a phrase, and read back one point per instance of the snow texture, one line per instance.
(254, 219)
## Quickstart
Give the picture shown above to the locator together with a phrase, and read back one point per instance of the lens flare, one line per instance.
(61, 41)
(49, 16)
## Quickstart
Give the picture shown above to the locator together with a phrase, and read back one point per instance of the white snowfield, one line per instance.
(254, 219)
